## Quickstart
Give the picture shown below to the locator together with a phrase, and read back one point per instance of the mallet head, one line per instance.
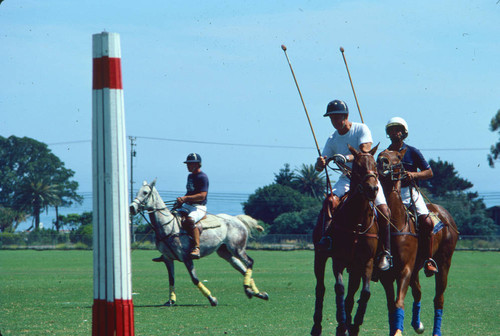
(283, 47)
(341, 49)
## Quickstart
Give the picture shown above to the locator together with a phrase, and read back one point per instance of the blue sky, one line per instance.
(213, 72)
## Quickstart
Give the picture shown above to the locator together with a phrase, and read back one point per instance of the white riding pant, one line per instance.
(417, 198)
(195, 211)
(342, 186)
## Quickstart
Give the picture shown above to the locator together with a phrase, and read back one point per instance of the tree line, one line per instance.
(32, 179)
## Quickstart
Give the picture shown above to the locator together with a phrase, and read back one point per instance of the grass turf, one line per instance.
(50, 293)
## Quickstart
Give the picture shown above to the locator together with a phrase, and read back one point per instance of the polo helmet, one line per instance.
(336, 107)
(193, 157)
(397, 121)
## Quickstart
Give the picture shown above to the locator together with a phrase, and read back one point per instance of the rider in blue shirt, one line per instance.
(417, 168)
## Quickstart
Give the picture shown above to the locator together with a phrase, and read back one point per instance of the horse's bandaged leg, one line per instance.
(252, 285)
(415, 320)
(248, 277)
(438, 318)
(204, 290)
(172, 293)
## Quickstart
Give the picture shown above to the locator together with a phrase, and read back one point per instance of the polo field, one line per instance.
(49, 292)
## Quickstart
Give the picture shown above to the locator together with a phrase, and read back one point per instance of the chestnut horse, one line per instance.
(405, 250)
(350, 239)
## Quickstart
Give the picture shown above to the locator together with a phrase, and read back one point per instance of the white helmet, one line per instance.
(397, 121)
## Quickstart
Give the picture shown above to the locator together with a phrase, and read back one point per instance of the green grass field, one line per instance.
(50, 293)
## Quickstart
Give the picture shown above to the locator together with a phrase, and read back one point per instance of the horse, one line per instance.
(445, 237)
(227, 235)
(404, 239)
(353, 233)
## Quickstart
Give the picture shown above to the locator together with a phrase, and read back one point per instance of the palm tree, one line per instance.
(36, 195)
(310, 181)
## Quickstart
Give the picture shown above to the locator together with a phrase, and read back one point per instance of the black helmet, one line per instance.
(336, 107)
(193, 157)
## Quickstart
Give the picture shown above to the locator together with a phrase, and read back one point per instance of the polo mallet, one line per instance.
(307, 114)
(302, 99)
(352, 86)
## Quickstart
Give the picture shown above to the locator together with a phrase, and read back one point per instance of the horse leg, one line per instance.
(441, 284)
(362, 303)
(398, 314)
(416, 292)
(244, 264)
(171, 281)
(319, 272)
(352, 288)
(387, 281)
(188, 262)
(339, 300)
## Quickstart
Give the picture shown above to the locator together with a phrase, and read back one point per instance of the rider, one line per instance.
(194, 203)
(416, 168)
(358, 136)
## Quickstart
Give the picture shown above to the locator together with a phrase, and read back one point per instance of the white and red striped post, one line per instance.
(113, 310)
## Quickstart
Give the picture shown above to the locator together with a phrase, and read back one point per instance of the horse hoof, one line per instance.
(420, 329)
(213, 301)
(262, 295)
(316, 330)
(249, 292)
(169, 303)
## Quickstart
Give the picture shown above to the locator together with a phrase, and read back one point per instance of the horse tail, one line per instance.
(250, 223)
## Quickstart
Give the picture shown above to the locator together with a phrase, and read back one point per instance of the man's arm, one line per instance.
(421, 175)
(201, 196)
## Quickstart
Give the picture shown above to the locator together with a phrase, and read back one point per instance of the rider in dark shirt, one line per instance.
(194, 203)
(417, 168)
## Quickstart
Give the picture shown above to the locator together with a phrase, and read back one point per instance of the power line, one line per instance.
(258, 145)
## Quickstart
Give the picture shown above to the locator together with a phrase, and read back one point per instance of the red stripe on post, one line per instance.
(107, 73)
(124, 317)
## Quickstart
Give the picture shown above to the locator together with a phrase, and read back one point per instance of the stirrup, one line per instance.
(385, 261)
(430, 267)
(195, 253)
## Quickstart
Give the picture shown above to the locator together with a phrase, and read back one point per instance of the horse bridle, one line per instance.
(369, 174)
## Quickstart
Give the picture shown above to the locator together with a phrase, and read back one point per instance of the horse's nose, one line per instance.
(132, 209)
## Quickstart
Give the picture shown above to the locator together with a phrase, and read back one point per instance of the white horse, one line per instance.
(222, 233)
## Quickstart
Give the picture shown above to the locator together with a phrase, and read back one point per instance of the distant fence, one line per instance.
(40, 240)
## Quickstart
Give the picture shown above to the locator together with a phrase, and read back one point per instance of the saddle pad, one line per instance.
(438, 225)
(210, 222)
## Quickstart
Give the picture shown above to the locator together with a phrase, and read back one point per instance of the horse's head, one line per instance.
(364, 173)
(144, 199)
(390, 167)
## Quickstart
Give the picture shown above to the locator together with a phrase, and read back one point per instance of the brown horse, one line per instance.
(404, 238)
(404, 242)
(350, 239)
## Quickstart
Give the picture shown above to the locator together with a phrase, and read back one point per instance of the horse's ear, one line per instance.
(353, 150)
(374, 149)
(153, 183)
(144, 183)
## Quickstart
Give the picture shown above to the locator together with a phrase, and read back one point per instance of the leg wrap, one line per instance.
(399, 319)
(438, 317)
(253, 286)
(339, 300)
(248, 278)
(362, 304)
(415, 320)
(172, 293)
(204, 290)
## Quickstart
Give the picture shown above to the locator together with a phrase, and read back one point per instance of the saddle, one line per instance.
(207, 222)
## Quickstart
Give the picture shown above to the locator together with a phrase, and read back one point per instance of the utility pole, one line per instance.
(132, 155)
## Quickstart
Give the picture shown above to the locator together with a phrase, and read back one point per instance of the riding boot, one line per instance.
(385, 237)
(190, 227)
(195, 252)
(430, 266)
(324, 221)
